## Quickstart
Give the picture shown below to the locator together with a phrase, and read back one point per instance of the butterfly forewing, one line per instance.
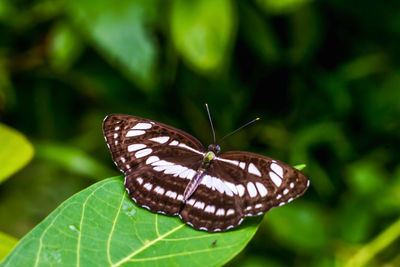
(133, 140)
(159, 161)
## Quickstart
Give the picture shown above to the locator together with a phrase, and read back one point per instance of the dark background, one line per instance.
(323, 76)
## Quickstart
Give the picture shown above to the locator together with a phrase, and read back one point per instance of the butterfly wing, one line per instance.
(245, 184)
(158, 160)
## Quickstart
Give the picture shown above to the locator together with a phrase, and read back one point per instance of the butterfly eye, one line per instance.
(214, 148)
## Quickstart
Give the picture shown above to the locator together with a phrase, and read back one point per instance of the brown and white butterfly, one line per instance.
(169, 171)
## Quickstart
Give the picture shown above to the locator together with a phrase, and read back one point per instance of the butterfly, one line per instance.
(169, 171)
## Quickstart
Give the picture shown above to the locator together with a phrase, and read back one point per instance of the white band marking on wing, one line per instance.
(233, 162)
(143, 152)
(135, 133)
(191, 149)
(160, 139)
(135, 147)
(142, 126)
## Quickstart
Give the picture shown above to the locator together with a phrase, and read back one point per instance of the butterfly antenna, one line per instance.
(250, 122)
(212, 126)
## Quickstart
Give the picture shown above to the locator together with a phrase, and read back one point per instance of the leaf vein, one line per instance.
(134, 253)
(113, 228)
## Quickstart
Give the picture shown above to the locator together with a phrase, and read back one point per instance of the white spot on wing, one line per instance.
(171, 194)
(210, 209)
(142, 126)
(261, 189)
(242, 165)
(277, 169)
(285, 191)
(152, 159)
(221, 187)
(135, 147)
(230, 212)
(139, 180)
(275, 179)
(253, 170)
(142, 153)
(159, 190)
(173, 169)
(199, 205)
(148, 186)
(160, 139)
(257, 206)
(291, 185)
(174, 143)
(207, 181)
(240, 189)
(220, 212)
(251, 189)
(190, 202)
(117, 128)
(232, 187)
(190, 174)
(162, 163)
(135, 133)
(184, 173)
(123, 159)
(115, 135)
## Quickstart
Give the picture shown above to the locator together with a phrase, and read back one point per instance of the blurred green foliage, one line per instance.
(323, 76)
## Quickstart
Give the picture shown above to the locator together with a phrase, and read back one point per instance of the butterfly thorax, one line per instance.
(208, 157)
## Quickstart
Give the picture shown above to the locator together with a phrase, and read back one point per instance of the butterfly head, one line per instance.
(214, 148)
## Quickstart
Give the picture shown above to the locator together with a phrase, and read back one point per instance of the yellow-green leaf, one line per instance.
(7, 243)
(15, 151)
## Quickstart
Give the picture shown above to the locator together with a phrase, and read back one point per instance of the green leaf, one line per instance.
(282, 6)
(295, 223)
(72, 159)
(300, 166)
(202, 31)
(102, 226)
(15, 153)
(120, 32)
(7, 243)
(65, 47)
